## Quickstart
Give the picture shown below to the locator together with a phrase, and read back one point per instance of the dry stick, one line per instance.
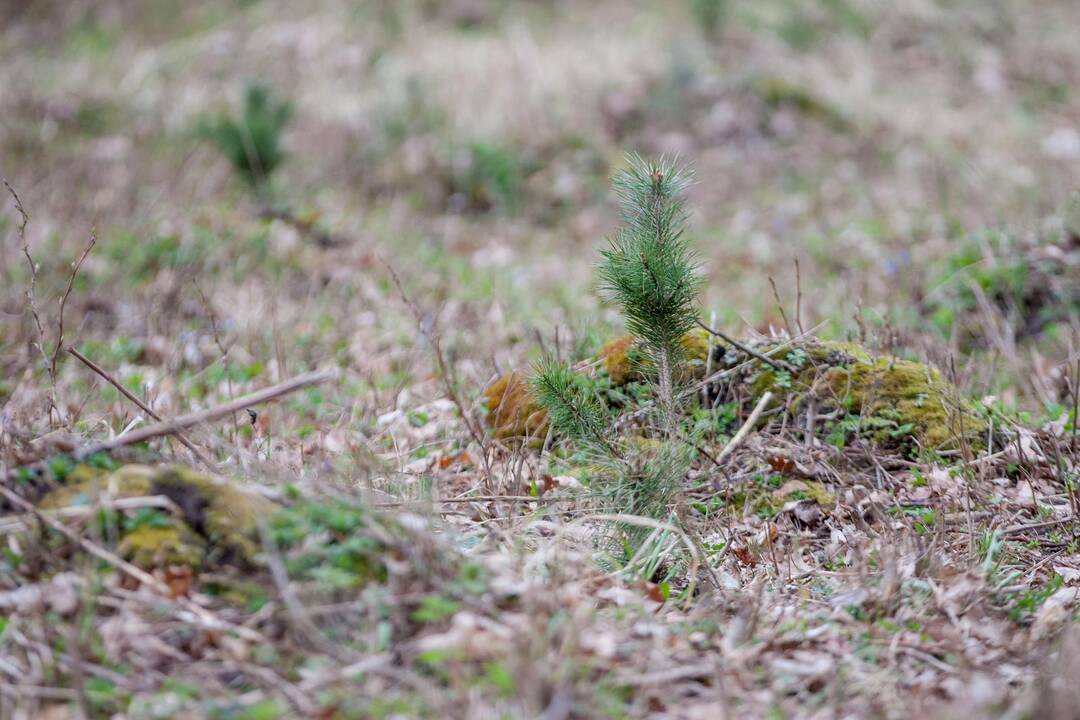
(135, 399)
(745, 429)
(1076, 408)
(31, 293)
(483, 498)
(171, 427)
(798, 296)
(731, 371)
(780, 307)
(775, 364)
(63, 301)
(1036, 526)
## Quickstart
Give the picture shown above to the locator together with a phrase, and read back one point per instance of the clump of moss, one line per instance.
(777, 92)
(512, 410)
(895, 403)
(157, 547)
(898, 403)
(617, 358)
(767, 495)
(218, 521)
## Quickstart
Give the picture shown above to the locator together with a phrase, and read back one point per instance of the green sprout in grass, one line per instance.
(252, 142)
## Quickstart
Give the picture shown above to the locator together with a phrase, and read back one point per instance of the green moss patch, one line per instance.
(218, 522)
(893, 402)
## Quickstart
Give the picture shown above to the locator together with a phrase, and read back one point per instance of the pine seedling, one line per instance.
(650, 272)
(252, 142)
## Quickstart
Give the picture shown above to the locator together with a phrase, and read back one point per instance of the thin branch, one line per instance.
(31, 293)
(63, 302)
(798, 296)
(448, 380)
(775, 364)
(171, 427)
(135, 399)
(745, 429)
(780, 307)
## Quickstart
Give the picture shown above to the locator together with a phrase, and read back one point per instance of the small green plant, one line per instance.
(252, 142)
(490, 176)
(710, 15)
(648, 271)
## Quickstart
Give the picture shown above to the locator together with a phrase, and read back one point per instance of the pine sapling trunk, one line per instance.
(666, 391)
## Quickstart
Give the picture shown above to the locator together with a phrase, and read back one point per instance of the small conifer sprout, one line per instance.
(252, 142)
(651, 273)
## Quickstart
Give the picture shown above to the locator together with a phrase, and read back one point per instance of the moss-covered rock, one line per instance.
(218, 521)
(894, 402)
(155, 547)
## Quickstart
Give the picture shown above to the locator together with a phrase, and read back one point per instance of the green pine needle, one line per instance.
(573, 408)
(649, 270)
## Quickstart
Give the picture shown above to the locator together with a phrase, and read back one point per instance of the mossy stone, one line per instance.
(222, 517)
(512, 409)
(156, 547)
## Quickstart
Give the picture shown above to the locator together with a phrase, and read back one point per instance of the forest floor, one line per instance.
(896, 177)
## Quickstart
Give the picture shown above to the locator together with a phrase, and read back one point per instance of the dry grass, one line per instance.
(882, 155)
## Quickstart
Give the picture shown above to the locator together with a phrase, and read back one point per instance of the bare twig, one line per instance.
(31, 292)
(52, 358)
(720, 374)
(798, 296)
(780, 307)
(775, 364)
(18, 522)
(63, 302)
(135, 399)
(171, 427)
(745, 429)
(1036, 526)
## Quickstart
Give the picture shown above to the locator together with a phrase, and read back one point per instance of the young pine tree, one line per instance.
(649, 271)
(252, 142)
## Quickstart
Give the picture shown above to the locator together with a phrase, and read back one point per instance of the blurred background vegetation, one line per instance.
(916, 159)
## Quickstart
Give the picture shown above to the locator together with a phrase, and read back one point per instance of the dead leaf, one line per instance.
(804, 513)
